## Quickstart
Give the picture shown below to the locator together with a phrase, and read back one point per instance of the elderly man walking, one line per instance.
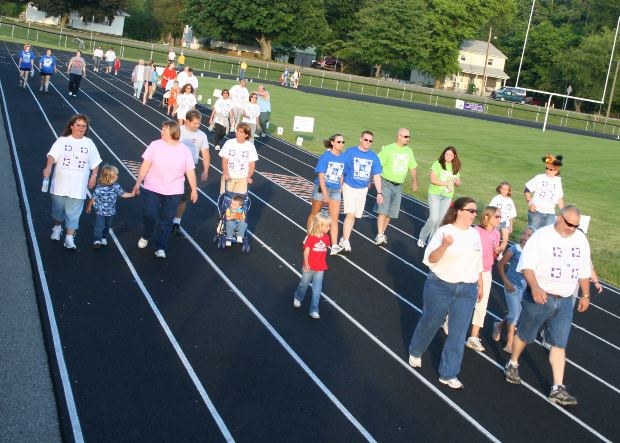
(396, 160)
(552, 261)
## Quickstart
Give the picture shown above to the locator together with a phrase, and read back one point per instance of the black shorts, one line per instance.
(46, 74)
(25, 69)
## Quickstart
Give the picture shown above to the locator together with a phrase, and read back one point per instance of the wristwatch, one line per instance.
(585, 295)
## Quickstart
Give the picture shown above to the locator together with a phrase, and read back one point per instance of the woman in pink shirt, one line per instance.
(166, 164)
(489, 238)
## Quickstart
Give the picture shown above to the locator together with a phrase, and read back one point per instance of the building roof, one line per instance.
(479, 70)
(480, 47)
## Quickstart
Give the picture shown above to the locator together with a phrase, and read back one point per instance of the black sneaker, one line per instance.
(562, 397)
(176, 229)
(512, 374)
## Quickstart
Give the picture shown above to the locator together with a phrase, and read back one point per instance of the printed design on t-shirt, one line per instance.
(47, 62)
(105, 198)
(319, 246)
(75, 158)
(334, 171)
(400, 163)
(26, 57)
(362, 168)
(238, 160)
(547, 190)
(566, 262)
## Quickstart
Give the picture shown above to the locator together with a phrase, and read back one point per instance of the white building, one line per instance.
(472, 57)
(114, 27)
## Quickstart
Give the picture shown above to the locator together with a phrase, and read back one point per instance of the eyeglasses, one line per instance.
(570, 225)
(368, 140)
(471, 211)
(405, 136)
(551, 169)
(340, 142)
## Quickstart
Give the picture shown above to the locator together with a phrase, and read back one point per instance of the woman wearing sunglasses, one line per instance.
(544, 192)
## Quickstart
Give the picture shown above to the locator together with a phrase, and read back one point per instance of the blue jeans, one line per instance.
(437, 207)
(103, 223)
(316, 278)
(457, 300)
(68, 210)
(539, 220)
(158, 206)
(237, 226)
(555, 315)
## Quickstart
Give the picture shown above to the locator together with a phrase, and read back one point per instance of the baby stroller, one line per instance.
(220, 239)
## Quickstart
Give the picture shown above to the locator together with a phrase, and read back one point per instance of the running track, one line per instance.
(206, 346)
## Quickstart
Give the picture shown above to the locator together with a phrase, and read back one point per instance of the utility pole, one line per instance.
(486, 60)
(529, 23)
(611, 93)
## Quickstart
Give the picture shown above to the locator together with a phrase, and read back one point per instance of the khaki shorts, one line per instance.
(354, 200)
(236, 185)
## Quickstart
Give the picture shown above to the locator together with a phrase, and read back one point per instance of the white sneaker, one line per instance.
(228, 243)
(142, 243)
(315, 315)
(104, 242)
(421, 244)
(415, 362)
(380, 240)
(239, 239)
(56, 232)
(41, 89)
(344, 244)
(97, 244)
(70, 93)
(453, 383)
(296, 303)
(160, 253)
(475, 344)
(335, 249)
(217, 147)
(70, 243)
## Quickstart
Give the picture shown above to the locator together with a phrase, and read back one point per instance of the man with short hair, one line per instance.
(240, 97)
(110, 56)
(171, 55)
(396, 160)
(553, 260)
(197, 142)
(187, 76)
(264, 104)
(361, 165)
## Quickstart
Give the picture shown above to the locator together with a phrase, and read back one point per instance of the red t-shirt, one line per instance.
(318, 251)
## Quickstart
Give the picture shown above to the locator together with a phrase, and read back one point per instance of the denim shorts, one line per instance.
(392, 196)
(334, 194)
(67, 209)
(556, 314)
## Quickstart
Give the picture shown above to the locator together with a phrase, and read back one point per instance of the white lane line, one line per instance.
(74, 418)
(175, 344)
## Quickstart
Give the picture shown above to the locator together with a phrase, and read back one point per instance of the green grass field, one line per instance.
(490, 152)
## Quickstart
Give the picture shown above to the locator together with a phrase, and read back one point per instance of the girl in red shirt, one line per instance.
(316, 245)
(117, 65)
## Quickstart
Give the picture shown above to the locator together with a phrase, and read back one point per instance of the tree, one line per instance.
(169, 22)
(90, 10)
(300, 23)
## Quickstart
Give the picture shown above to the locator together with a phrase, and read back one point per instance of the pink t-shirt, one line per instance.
(489, 241)
(168, 166)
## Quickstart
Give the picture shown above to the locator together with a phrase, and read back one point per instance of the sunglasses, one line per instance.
(471, 211)
(551, 169)
(570, 225)
(340, 142)
(368, 140)
(405, 136)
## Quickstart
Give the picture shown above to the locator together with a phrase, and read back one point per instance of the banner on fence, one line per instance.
(466, 106)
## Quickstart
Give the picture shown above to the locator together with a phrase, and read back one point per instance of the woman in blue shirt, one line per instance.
(26, 58)
(47, 67)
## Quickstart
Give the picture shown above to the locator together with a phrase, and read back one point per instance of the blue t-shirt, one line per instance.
(360, 167)
(332, 166)
(516, 278)
(105, 198)
(48, 63)
(27, 57)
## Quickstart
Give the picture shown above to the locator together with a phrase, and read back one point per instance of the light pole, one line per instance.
(486, 60)
(613, 85)
(527, 32)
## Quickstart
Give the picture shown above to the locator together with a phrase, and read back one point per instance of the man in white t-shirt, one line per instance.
(238, 161)
(110, 56)
(240, 96)
(197, 142)
(171, 56)
(187, 76)
(553, 260)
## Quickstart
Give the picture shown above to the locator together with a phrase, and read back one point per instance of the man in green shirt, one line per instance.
(397, 160)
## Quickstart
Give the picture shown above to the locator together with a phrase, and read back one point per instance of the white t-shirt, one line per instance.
(547, 191)
(98, 53)
(75, 158)
(222, 111)
(506, 208)
(110, 55)
(186, 101)
(462, 261)
(558, 262)
(240, 96)
(171, 55)
(194, 140)
(239, 156)
(251, 111)
(184, 79)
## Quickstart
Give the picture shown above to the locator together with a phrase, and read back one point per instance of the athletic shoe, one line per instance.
(497, 331)
(507, 349)
(561, 396)
(142, 243)
(475, 344)
(104, 242)
(70, 93)
(70, 243)
(380, 240)
(421, 244)
(315, 315)
(41, 89)
(176, 228)
(453, 383)
(56, 232)
(228, 243)
(415, 362)
(335, 249)
(344, 244)
(239, 239)
(46, 90)
(217, 147)
(512, 373)
(97, 244)
(296, 303)
(160, 253)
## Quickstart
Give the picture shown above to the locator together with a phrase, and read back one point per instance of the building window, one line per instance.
(462, 58)
(490, 62)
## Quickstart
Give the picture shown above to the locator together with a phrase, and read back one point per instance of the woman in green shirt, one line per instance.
(445, 175)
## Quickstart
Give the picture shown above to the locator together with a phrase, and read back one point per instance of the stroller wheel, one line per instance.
(246, 245)
(221, 242)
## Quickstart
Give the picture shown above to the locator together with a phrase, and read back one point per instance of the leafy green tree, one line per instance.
(300, 23)
(89, 9)
(142, 23)
(164, 12)
(10, 9)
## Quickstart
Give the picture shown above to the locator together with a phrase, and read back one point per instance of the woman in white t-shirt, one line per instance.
(238, 161)
(544, 192)
(454, 283)
(251, 112)
(185, 102)
(221, 118)
(77, 162)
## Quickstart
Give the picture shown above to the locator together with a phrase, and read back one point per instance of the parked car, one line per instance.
(510, 94)
(328, 63)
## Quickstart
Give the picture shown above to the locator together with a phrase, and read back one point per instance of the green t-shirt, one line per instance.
(443, 175)
(396, 162)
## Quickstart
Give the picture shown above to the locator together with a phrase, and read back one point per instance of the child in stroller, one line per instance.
(232, 226)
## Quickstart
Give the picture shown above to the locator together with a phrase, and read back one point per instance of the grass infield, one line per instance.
(490, 152)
